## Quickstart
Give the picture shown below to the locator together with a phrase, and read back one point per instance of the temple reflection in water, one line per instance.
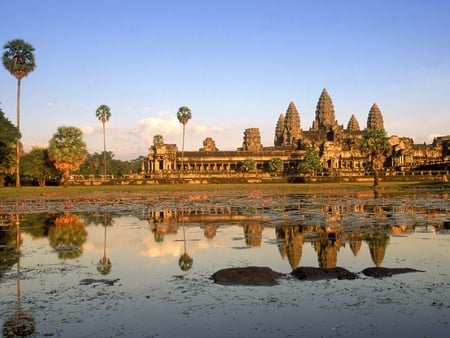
(154, 247)
(327, 227)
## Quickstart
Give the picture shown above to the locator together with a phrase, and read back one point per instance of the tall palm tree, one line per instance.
(18, 59)
(183, 115)
(103, 113)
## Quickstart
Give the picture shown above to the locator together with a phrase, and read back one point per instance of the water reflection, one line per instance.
(185, 262)
(67, 236)
(290, 243)
(329, 226)
(104, 264)
(150, 242)
(20, 323)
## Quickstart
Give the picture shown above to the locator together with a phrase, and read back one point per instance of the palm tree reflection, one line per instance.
(20, 323)
(104, 264)
(185, 262)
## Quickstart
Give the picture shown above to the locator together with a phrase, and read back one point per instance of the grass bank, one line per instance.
(328, 188)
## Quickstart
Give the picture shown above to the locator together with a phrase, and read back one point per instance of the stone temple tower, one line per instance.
(375, 118)
(325, 116)
(353, 124)
(252, 140)
(288, 130)
(292, 129)
(279, 131)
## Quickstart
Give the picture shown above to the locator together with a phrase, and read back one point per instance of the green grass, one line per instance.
(385, 187)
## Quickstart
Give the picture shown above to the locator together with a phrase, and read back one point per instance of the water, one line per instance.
(149, 264)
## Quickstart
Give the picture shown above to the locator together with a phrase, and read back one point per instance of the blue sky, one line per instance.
(235, 64)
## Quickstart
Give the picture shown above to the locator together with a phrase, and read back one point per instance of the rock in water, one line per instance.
(89, 281)
(312, 273)
(251, 275)
(379, 272)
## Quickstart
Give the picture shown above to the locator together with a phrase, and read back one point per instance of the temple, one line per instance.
(338, 146)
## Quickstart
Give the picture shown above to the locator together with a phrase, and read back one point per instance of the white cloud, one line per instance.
(202, 129)
(158, 125)
(130, 141)
(89, 130)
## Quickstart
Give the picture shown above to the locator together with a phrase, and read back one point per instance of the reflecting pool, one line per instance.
(141, 266)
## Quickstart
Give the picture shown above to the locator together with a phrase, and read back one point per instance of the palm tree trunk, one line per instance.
(18, 139)
(104, 149)
(375, 178)
(66, 177)
(182, 150)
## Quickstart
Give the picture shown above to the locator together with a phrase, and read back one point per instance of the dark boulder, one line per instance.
(251, 275)
(379, 272)
(312, 273)
(90, 281)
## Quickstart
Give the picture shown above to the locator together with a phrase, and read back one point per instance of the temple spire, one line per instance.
(325, 116)
(375, 118)
(353, 124)
(292, 130)
(279, 130)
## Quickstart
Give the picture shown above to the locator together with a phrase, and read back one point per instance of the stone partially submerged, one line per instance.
(251, 275)
(313, 273)
(379, 272)
(265, 276)
(91, 281)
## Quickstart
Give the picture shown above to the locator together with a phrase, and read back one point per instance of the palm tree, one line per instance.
(183, 115)
(375, 143)
(18, 59)
(158, 139)
(67, 151)
(103, 113)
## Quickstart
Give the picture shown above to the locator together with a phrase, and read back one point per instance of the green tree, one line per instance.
(37, 165)
(93, 165)
(248, 164)
(134, 166)
(18, 59)
(103, 113)
(8, 136)
(276, 164)
(375, 144)
(67, 151)
(183, 115)
(310, 163)
(158, 139)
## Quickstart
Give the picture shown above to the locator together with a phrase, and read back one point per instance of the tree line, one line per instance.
(67, 152)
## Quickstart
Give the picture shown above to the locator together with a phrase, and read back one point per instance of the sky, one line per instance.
(235, 64)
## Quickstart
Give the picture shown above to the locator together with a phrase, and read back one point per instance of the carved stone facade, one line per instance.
(288, 130)
(338, 147)
(209, 145)
(375, 119)
(353, 124)
(252, 140)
